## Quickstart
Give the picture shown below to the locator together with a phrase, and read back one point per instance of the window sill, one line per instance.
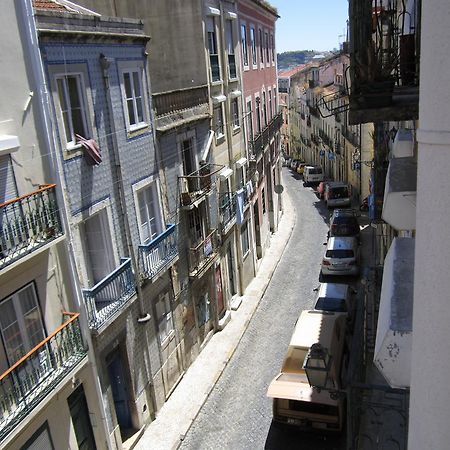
(138, 130)
(233, 80)
(255, 67)
(220, 139)
(236, 129)
(73, 151)
(217, 83)
(246, 68)
(244, 256)
(168, 339)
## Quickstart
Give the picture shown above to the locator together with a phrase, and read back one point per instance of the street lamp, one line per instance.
(317, 365)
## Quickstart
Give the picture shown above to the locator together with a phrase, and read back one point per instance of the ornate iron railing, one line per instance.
(168, 102)
(263, 139)
(227, 207)
(27, 382)
(202, 255)
(27, 223)
(158, 254)
(110, 294)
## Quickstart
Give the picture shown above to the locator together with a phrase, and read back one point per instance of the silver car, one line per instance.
(341, 256)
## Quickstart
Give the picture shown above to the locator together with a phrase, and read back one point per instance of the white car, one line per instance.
(312, 175)
(341, 256)
(334, 297)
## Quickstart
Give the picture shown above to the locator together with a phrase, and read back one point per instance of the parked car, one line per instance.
(336, 194)
(344, 222)
(312, 175)
(321, 189)
(341, 257)
(294, 164)
(301, 167)
(287, 161)
(334, 297)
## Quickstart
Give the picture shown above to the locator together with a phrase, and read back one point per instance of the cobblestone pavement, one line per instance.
(237, 414)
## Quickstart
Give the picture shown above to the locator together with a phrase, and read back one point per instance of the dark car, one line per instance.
(344, 222)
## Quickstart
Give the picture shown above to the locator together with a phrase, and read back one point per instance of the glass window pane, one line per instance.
(127, 85)
(74, 94)
(62, 97)
(131, 116)
(137, 84)
(78, 123)
(140, 111)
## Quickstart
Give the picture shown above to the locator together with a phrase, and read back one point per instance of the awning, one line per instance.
(225, 173)
(219, 99)
(8, 143)
(399, 205)
(241, 162)
(392, 353)
(403, 145)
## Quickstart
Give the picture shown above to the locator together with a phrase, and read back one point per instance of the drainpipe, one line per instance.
(43, 112)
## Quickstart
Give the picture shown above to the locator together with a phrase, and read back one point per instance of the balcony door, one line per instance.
(98, 249)
(150, 223)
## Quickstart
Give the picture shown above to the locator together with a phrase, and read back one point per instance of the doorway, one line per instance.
(231, 278)
(80, 418)
(257, 230)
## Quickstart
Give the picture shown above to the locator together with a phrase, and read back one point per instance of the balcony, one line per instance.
(227, 210)
(159, 254)
(315, 139)
(262, 139)
(28, 223)
(182, 99)
(232, 67)
(35, 376)
(384, 60)
(325, 139)
(196, 185)
(215, 67)
(110, 294)
(203, 255)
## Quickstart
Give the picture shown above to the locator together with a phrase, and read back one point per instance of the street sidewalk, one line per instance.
(175, 418)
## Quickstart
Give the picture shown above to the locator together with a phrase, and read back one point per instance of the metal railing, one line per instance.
(198, 183)
(27, 382)
(202, 255)
(215, 67)
(227, 207)
(263, 138)
(157, 255)
(167, 102)
(232, 66)
(28, 223)
(110, 294)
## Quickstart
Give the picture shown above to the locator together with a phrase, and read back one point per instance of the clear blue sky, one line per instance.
(310, 24)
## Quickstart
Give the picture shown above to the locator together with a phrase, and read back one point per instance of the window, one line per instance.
(263, 200)
(244, 44)
(245, 243)
(264, 109)
(266, 36)
(235, 112)
(272, 46)
(195, 227)
(212, 47)
(149, 213)
(40, 440)
(133, 99)
(230, 50)
(164, 317)
(261, 46)
(249, 121)
(21, 323)
(218, 121)
(253, 45)
(72, 104)
(270, 105)
(258, 115)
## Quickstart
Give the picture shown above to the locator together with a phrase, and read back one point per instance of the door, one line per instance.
(230, 262)
(119, 389)
(98, 246)
(257, 231)
(80, 419)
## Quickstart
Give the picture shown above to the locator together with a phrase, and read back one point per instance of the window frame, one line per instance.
(245, 239)
(229, 36)
(261, 46)
(235, 117)
(213, 45)
(244, 45)
(253, 47)
(166, 318)
(219, 108)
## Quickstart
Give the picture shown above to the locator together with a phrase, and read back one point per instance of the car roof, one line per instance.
(334, 290)
(337, 184)
(342, 243)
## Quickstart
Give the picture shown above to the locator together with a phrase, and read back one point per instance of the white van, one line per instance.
(337, 194)
(312, 174)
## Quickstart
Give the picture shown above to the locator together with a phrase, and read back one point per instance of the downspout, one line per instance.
(44, 113)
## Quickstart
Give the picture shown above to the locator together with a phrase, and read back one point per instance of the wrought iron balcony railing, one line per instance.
(315, 139)
(215, 67)
(110, 294)
(232, 67)
(203, 254)
(195, 185)
(262, 139)
(325, 139)
(28, 223)
(34, 376)
(227, 208)
(169, 102)
(158, 254)
(314, 111)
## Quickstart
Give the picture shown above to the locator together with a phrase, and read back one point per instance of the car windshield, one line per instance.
(339, 192)
(331, 304)
(339, 253)
(344, 229)
(315, 171)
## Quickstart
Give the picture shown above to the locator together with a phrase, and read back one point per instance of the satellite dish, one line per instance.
(278, 188)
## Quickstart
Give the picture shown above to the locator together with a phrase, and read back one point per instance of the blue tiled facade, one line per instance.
(87, 185)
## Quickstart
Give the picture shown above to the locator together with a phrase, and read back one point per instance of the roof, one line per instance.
(341, 243)
(335, 290)
(61, 6)
(290, 72)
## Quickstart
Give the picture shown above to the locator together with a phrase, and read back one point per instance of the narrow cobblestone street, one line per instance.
(238, 415)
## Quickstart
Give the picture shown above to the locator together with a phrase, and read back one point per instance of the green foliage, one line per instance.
(287, 60)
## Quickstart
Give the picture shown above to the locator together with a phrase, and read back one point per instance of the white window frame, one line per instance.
(221, 135)
(71, 141)
(229, 33)
(261, 46)
(130, 68)
(249, 116)
(151, 183)
(244, 46)
(235, 117)
(166, 330)
(254, 47)
(245, 239)
(213, 46)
